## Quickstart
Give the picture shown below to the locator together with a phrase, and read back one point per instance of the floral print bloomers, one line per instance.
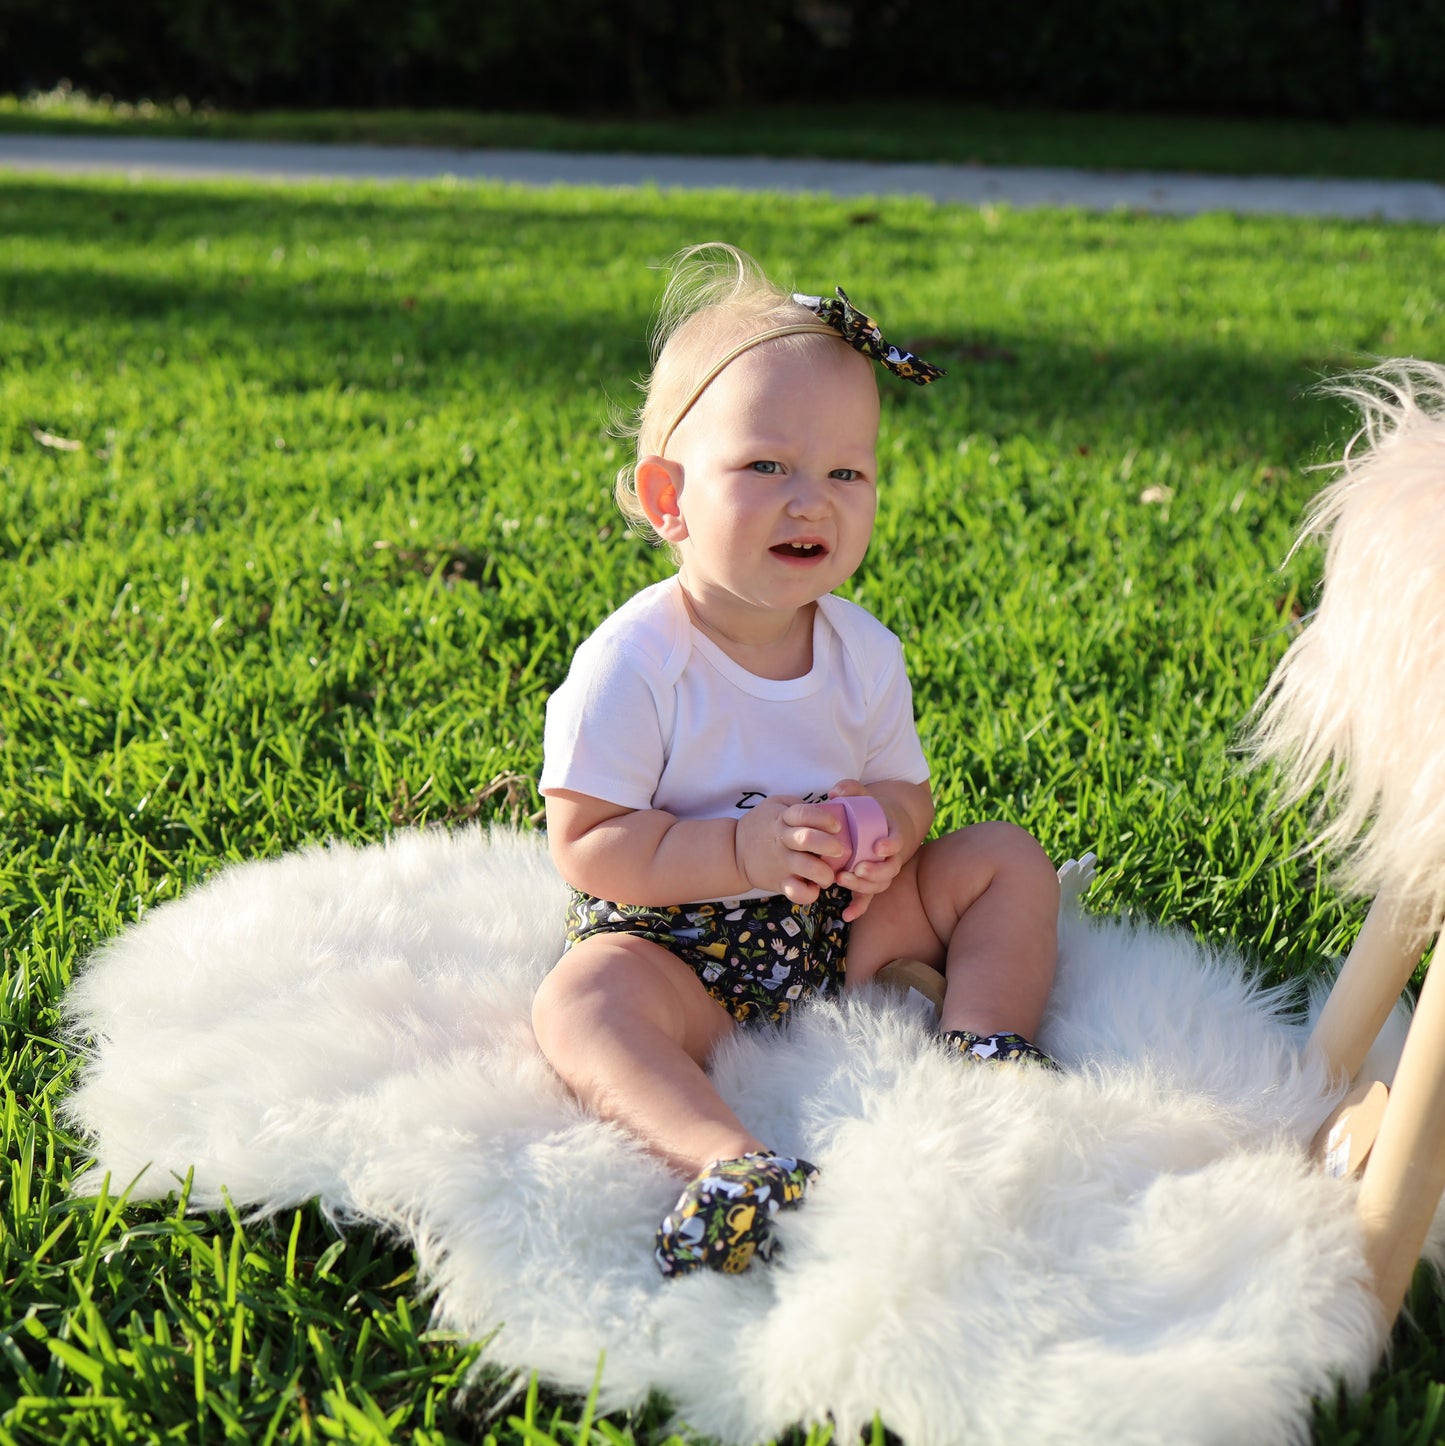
(757, 957)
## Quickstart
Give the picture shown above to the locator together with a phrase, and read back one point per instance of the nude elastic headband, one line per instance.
(796, 329)
(835, 318)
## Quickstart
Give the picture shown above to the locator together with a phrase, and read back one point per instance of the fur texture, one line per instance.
(1358, 702)
(1133, 1251)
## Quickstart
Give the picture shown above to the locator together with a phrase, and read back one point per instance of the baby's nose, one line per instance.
(808, 496)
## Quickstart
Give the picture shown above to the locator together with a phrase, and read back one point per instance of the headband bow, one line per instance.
(861, 332)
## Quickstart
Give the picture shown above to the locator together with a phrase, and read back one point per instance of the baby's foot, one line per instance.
(724, 1217)
(994, 1048)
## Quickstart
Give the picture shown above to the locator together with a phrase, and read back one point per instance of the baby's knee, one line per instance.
(599, 987)
(1010, 855)
(547, 1006)
(565, 1004)
(1019, 848)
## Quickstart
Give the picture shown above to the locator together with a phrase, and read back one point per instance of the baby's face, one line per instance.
(779, 464)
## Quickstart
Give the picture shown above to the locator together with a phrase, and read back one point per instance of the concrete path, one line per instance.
(1166, 194)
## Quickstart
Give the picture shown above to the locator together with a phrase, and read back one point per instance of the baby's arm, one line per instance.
(646, 856)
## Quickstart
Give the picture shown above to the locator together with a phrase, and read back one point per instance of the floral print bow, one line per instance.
(861, 332)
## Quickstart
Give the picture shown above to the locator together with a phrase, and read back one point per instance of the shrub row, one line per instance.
(1333, 58)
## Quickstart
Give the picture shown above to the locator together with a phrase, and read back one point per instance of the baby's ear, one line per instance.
(659, 489)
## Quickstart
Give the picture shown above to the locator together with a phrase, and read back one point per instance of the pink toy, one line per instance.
(864, 823)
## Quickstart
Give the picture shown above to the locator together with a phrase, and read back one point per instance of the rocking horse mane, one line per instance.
(1357, 704)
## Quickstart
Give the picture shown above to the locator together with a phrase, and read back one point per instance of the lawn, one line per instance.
(901, 130)
(306, 502)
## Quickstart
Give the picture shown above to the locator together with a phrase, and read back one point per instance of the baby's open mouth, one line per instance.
(799, 549)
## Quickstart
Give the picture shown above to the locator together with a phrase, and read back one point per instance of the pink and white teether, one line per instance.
(865, 825)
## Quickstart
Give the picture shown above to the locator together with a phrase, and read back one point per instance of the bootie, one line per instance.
(724, 1217)
(994, 1048)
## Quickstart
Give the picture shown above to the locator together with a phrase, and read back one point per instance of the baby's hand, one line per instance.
(790, 848)
(874, 874)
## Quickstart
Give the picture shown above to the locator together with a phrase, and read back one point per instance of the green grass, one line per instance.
(902, 131)
(304, 504)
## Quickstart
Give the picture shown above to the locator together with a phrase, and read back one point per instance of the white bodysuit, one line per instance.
(653, 714)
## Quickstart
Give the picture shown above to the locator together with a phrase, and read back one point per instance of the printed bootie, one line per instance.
(724, 1217)
(994, 1048)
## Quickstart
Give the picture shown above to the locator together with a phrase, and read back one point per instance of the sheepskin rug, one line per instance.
(1132, 1251)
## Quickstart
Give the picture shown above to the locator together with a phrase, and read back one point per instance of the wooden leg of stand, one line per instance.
(1345, 1140)
(1369, 987)
(1405, 1174)
(914, 974)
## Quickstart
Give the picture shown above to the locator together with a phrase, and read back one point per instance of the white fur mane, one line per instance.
(1335, 711)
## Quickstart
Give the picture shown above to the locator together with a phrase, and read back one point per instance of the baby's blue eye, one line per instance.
(846, 474)
(768, 469)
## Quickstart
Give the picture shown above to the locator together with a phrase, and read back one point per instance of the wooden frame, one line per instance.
(1395, 1140)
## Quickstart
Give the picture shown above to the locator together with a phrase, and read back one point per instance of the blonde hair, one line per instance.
(717, 304)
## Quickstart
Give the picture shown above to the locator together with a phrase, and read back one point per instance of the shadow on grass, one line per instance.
(270, 279)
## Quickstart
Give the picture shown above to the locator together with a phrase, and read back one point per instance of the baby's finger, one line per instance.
(819, 842)
(872, 876)
(813, 830)
(813, 867)
(811, 815)
(800, 891)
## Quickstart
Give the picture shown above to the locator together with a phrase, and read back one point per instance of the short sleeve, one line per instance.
(894, 749)
(606, 733)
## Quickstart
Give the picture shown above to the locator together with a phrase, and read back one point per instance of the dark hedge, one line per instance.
(1320, 58)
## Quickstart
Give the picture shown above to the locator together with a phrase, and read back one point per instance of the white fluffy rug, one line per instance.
(1133, 1251)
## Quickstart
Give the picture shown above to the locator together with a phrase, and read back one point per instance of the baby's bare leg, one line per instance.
(982, 905)
(629, 1029)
